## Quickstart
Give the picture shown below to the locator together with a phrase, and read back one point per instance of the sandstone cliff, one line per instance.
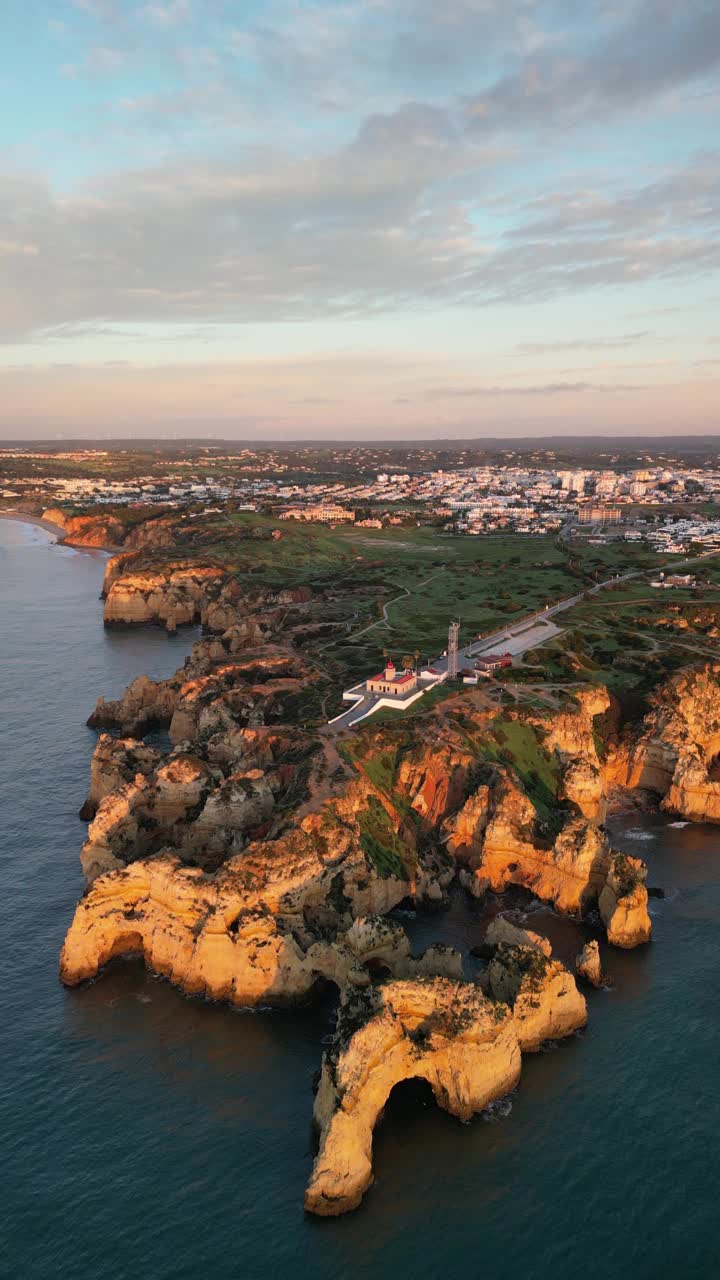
(466, 1045)
(495, 835)
(185, 591)
(675, 750)
(116, 762)
(545, 1002)
(444, 1032)
(572, 733)
(239, 871)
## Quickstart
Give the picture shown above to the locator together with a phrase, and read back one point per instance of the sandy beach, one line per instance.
(24, 518)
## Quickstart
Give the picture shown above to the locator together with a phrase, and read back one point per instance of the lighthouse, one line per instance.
(392, 682)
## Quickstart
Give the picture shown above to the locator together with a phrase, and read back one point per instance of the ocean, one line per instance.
(150, 1136)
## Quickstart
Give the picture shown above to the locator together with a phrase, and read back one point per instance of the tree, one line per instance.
(407, 662)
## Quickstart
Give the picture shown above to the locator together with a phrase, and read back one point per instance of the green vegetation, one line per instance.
(383, 847)
(518, 744)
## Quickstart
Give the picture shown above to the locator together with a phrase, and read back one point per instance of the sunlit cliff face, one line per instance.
(275, 220)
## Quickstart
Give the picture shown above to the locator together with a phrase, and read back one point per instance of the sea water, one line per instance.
(153, 1137)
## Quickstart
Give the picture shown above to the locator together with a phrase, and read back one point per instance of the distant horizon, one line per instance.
(585, 443)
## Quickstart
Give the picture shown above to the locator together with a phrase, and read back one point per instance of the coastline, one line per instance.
(23, 518)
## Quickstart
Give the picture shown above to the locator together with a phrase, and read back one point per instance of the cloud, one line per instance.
(658, 47)
(543, 389)
(17, 249)
(373, 225)
(583, 344)
(172, 13)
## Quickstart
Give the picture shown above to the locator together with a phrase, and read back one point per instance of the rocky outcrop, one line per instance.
(503, 930)
(254, 933)
(588, 966)
(444, 1032)
(101, 530)
(543, 996)
(146, 814)
(675, 750)
(108, 529)
(146, 704)
(172, 598)
(116, 762)
(466, 1044)
(184, 592)
(573, 735)
(496, 835)
(623, 902)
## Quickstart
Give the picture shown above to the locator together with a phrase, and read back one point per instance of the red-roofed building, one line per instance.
(389, 681)
(493, 662)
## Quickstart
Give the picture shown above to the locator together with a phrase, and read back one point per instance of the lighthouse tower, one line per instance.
(453, 633)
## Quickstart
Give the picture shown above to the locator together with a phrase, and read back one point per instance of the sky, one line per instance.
(362, 219)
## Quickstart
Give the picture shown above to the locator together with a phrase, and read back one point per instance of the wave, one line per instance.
(678, 824)
(498, 1110)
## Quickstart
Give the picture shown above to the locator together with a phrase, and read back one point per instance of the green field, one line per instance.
(397, 589)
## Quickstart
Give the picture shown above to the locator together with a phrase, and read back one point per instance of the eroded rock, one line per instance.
(444, 1032)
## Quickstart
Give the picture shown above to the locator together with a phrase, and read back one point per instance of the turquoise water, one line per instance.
(150, 1136)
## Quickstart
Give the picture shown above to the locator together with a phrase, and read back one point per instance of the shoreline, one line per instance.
(60, 534)
(23, 518)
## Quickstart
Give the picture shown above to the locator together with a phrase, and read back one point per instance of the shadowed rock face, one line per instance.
(676, 748)
(116, 762)
(494, 835)
(588, 966)
(503, 930)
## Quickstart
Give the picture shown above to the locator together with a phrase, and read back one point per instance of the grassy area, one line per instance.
(424, 578)
(424, 705)
(628, 644)
(384, 849)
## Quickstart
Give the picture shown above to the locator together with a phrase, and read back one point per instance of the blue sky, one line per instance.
(383, 219)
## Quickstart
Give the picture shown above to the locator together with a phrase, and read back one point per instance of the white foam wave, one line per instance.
(498, 1110)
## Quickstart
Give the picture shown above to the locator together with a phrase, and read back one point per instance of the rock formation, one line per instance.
(495, 835)
(572, 733)
(110, 529)
(172, 599)
(254, 933)
(545, 1002)
(675, 750)
(465, 1045)
(116, 762)
(623, 902)
(587, 964)
(503, 930)
(444, 1032)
